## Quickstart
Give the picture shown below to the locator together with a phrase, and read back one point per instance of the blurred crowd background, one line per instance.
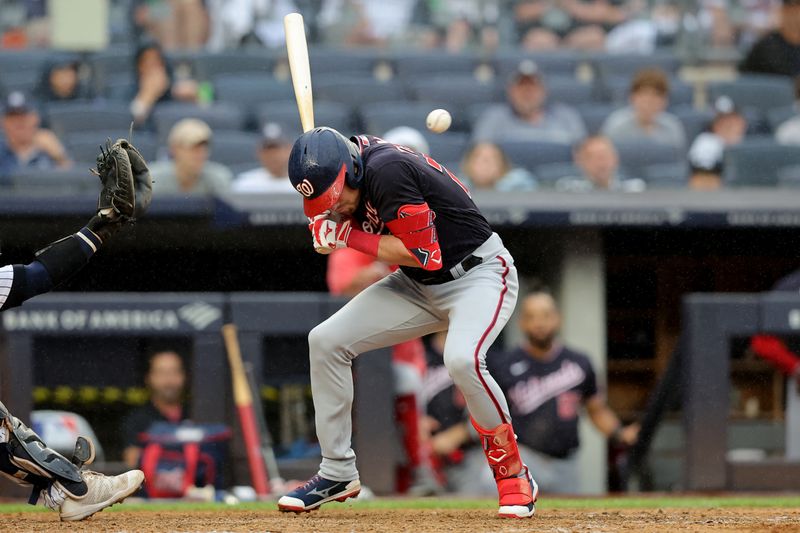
(570, 95)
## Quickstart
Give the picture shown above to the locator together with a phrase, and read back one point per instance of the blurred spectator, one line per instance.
(778, 52)
(527, 115)
(238, 22)
(60, 81)
(464, 22)
(598, 162)
(576, 24)
(366, 23)
(189, 171)
(487, 167)
(175, 24)
(26, 145)
(408, 137)
(546, 383)
(166, 382)
(273, 174)
(155, 83)
(645, 117)
(728, 128)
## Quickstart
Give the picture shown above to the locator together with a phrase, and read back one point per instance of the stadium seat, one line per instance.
(31, 59)
(548, 174)
(559, 62)
(594, 115)
(108, 65)
(72, 181)
(378, 118)
(530, 155)
(417, 65)
(83, 146)
(234, 147)
(758, 162)
(355, 92)
(285, 113)
(779, 115)
(354, 62)
(666, 175)
(221, 116)
(755, 91)
(66, 118)
(25, 80)
(455, 90)
(608, 66)
(569, 91)
(449, 146)
(694, 121)
(634, 156)
(789, 177)
(248, 91)
(208, 66)
(120, 89)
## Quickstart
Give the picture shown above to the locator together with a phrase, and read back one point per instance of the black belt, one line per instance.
(454, 273)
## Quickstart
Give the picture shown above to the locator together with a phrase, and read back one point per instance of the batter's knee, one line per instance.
(325, 341)
(460, 364)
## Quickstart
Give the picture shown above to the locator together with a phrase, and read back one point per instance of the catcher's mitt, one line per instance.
(127, 187)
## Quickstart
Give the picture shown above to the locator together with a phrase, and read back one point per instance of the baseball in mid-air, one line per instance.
(438, 120)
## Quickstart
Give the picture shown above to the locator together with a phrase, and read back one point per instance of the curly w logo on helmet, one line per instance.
(305, 188)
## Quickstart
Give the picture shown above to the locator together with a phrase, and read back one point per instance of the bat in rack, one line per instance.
(243, 398)
(297, 52)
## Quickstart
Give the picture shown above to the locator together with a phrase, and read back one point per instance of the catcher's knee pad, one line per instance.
(28, 459)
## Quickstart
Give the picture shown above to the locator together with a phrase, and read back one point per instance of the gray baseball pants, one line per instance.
(474, 308)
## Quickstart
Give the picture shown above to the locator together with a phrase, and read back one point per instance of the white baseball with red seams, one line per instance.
(438, 120)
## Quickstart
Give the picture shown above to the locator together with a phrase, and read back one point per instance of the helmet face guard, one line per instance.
(321, 163)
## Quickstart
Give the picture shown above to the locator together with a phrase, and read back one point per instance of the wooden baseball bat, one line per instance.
(297, 51)
(243, 398)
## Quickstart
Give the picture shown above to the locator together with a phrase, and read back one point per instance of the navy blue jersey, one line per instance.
(399, 182)
(545, 397)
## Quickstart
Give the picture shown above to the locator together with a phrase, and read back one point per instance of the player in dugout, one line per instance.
(404, 208)
(63, 484)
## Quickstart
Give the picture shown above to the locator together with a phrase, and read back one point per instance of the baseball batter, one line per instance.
(404, 208)
(60, 484)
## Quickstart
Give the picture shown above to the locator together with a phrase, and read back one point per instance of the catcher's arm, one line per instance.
(125, 195)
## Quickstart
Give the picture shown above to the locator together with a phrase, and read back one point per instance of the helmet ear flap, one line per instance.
(357, 164)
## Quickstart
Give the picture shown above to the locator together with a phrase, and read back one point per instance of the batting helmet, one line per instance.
(321, 162)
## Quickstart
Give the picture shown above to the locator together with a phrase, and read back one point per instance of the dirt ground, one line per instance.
(346, 520)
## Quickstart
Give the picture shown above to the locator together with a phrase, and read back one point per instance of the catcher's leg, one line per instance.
(57, 482)
(384, 314)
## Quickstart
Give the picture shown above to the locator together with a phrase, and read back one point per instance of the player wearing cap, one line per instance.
(404, 208)
(57, 482)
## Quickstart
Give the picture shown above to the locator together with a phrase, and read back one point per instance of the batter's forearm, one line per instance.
(391, 250)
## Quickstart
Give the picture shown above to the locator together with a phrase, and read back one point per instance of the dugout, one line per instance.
(87, 353)
(273, 330)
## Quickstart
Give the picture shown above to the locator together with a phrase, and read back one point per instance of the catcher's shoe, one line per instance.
(516, 488)
(317, 491)
(103, 491)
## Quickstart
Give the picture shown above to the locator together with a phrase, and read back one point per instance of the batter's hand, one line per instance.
(328, 234)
